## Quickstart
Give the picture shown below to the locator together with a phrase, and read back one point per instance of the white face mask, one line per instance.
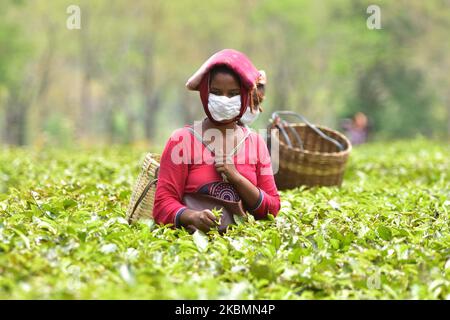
(248, 117)
(224, 108)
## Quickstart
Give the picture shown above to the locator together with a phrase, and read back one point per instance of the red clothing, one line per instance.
(187, 165)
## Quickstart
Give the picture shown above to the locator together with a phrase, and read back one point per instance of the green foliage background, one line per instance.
(120, 78)
(384, 234)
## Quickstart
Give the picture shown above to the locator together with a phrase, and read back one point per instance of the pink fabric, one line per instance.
(236, 61)
(175, 179)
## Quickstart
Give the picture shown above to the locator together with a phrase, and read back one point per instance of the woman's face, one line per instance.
(224, 84)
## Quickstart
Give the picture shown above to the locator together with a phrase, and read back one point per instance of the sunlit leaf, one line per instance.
(108, 248)
(384, 233)
(200, 240)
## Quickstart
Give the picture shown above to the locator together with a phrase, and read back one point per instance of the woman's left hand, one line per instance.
(226, 168)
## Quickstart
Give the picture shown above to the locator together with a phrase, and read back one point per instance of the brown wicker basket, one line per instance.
(143, 195)
(317, 158)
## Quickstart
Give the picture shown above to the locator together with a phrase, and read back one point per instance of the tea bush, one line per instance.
(383, 235)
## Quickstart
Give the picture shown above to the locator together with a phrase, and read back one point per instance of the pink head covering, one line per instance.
(240, 64)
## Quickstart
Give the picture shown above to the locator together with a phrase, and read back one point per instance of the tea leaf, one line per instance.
(200, 240)
(382, 235)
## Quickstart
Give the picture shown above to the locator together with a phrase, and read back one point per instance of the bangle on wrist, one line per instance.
(178, 217)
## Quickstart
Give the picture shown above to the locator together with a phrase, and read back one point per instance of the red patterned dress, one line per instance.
(187, 165)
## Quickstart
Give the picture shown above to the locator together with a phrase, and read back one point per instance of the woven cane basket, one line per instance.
(143, 195)
(310, 155)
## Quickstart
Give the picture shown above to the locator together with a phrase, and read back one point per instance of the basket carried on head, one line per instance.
(309, 155)
(143, 196)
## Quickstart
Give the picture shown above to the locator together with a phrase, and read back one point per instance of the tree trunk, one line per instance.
(24, 94)
(86, 105)
(152, 107)
(191, 107)
(15, 123)
(150, 94)
(85, 120)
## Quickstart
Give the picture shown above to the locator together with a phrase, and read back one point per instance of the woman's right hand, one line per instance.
(203, 220)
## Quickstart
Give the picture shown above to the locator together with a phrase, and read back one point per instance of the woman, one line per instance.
(251, 114)
(234, 163)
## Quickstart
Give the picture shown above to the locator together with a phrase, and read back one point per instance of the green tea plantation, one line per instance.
(384, 234)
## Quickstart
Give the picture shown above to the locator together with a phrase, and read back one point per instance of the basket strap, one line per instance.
(142, 196)
(199, 138)
(285, 135)
(276, 114)
(235, 149)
